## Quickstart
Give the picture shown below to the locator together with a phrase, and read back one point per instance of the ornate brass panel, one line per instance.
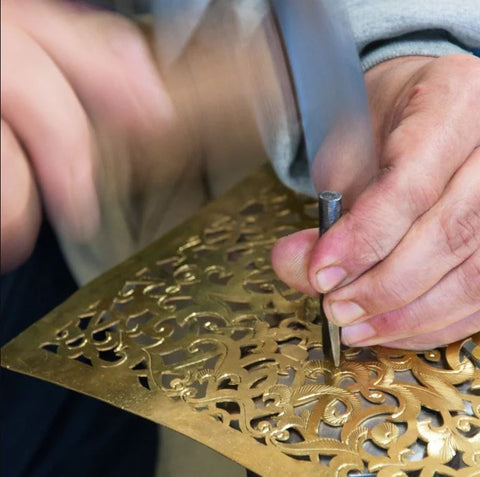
(196, 333)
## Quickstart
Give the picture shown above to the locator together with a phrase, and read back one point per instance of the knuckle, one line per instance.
(419, 195)
(405, 183)
(424, 95)
(424, 90)
(461, 232)
(369, 245)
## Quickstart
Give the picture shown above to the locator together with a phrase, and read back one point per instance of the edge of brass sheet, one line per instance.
(196, 333)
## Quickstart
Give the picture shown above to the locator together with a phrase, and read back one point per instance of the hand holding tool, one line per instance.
(329, 211)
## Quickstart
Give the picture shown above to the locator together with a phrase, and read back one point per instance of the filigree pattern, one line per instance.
(200, 318)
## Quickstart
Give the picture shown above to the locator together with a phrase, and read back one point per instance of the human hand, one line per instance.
(64, 68)
(402, 267)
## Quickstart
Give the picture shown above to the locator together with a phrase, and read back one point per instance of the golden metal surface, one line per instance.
(196, 333)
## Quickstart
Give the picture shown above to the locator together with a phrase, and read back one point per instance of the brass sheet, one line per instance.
(196, 333)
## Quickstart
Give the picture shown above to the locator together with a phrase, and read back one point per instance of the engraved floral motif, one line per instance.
(207, 322)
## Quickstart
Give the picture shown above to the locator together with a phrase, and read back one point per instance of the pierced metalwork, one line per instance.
(197, 333)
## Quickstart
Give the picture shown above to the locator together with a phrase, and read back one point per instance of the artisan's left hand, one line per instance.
(402, 267)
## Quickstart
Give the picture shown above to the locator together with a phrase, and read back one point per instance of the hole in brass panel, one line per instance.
(238, 306)
(217, 236)
(109, 355)
(238, 335)
(202, 251)
(419, 451)
(248, 237)
(274, 319)
(84, 321)
(143, 380)
(373, 449)
(238, 252)
(141, 365)
(144, 340)
(52, 348)
(231, 407)
(259, 382)
(300, 457)
(83, 359)
(259, 365)
(325, 459)
(176, 356)
(76, 342)
(234, 424)
(62, 334)
(168, 266)
(253, 208)
(259, 287)
(435, 418)
(218, 277)
(104, 335)
(227, 384)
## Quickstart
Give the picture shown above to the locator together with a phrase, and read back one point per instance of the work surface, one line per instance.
(196, 333)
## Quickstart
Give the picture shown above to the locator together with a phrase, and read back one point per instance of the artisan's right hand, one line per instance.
(63, 67)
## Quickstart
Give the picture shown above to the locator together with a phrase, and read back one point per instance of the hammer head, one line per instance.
(267, 78)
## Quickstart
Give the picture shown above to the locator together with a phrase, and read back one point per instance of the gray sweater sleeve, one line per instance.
(386, 29)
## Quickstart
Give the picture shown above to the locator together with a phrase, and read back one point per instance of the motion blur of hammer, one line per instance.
(284, 82)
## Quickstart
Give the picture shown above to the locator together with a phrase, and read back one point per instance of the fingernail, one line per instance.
(356, 334)
(329, 278)
(344, 312)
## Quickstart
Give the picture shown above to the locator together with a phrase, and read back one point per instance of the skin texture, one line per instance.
(402, 267)
(65, 69)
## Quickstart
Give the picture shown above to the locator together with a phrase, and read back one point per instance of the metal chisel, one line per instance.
(329, 211)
